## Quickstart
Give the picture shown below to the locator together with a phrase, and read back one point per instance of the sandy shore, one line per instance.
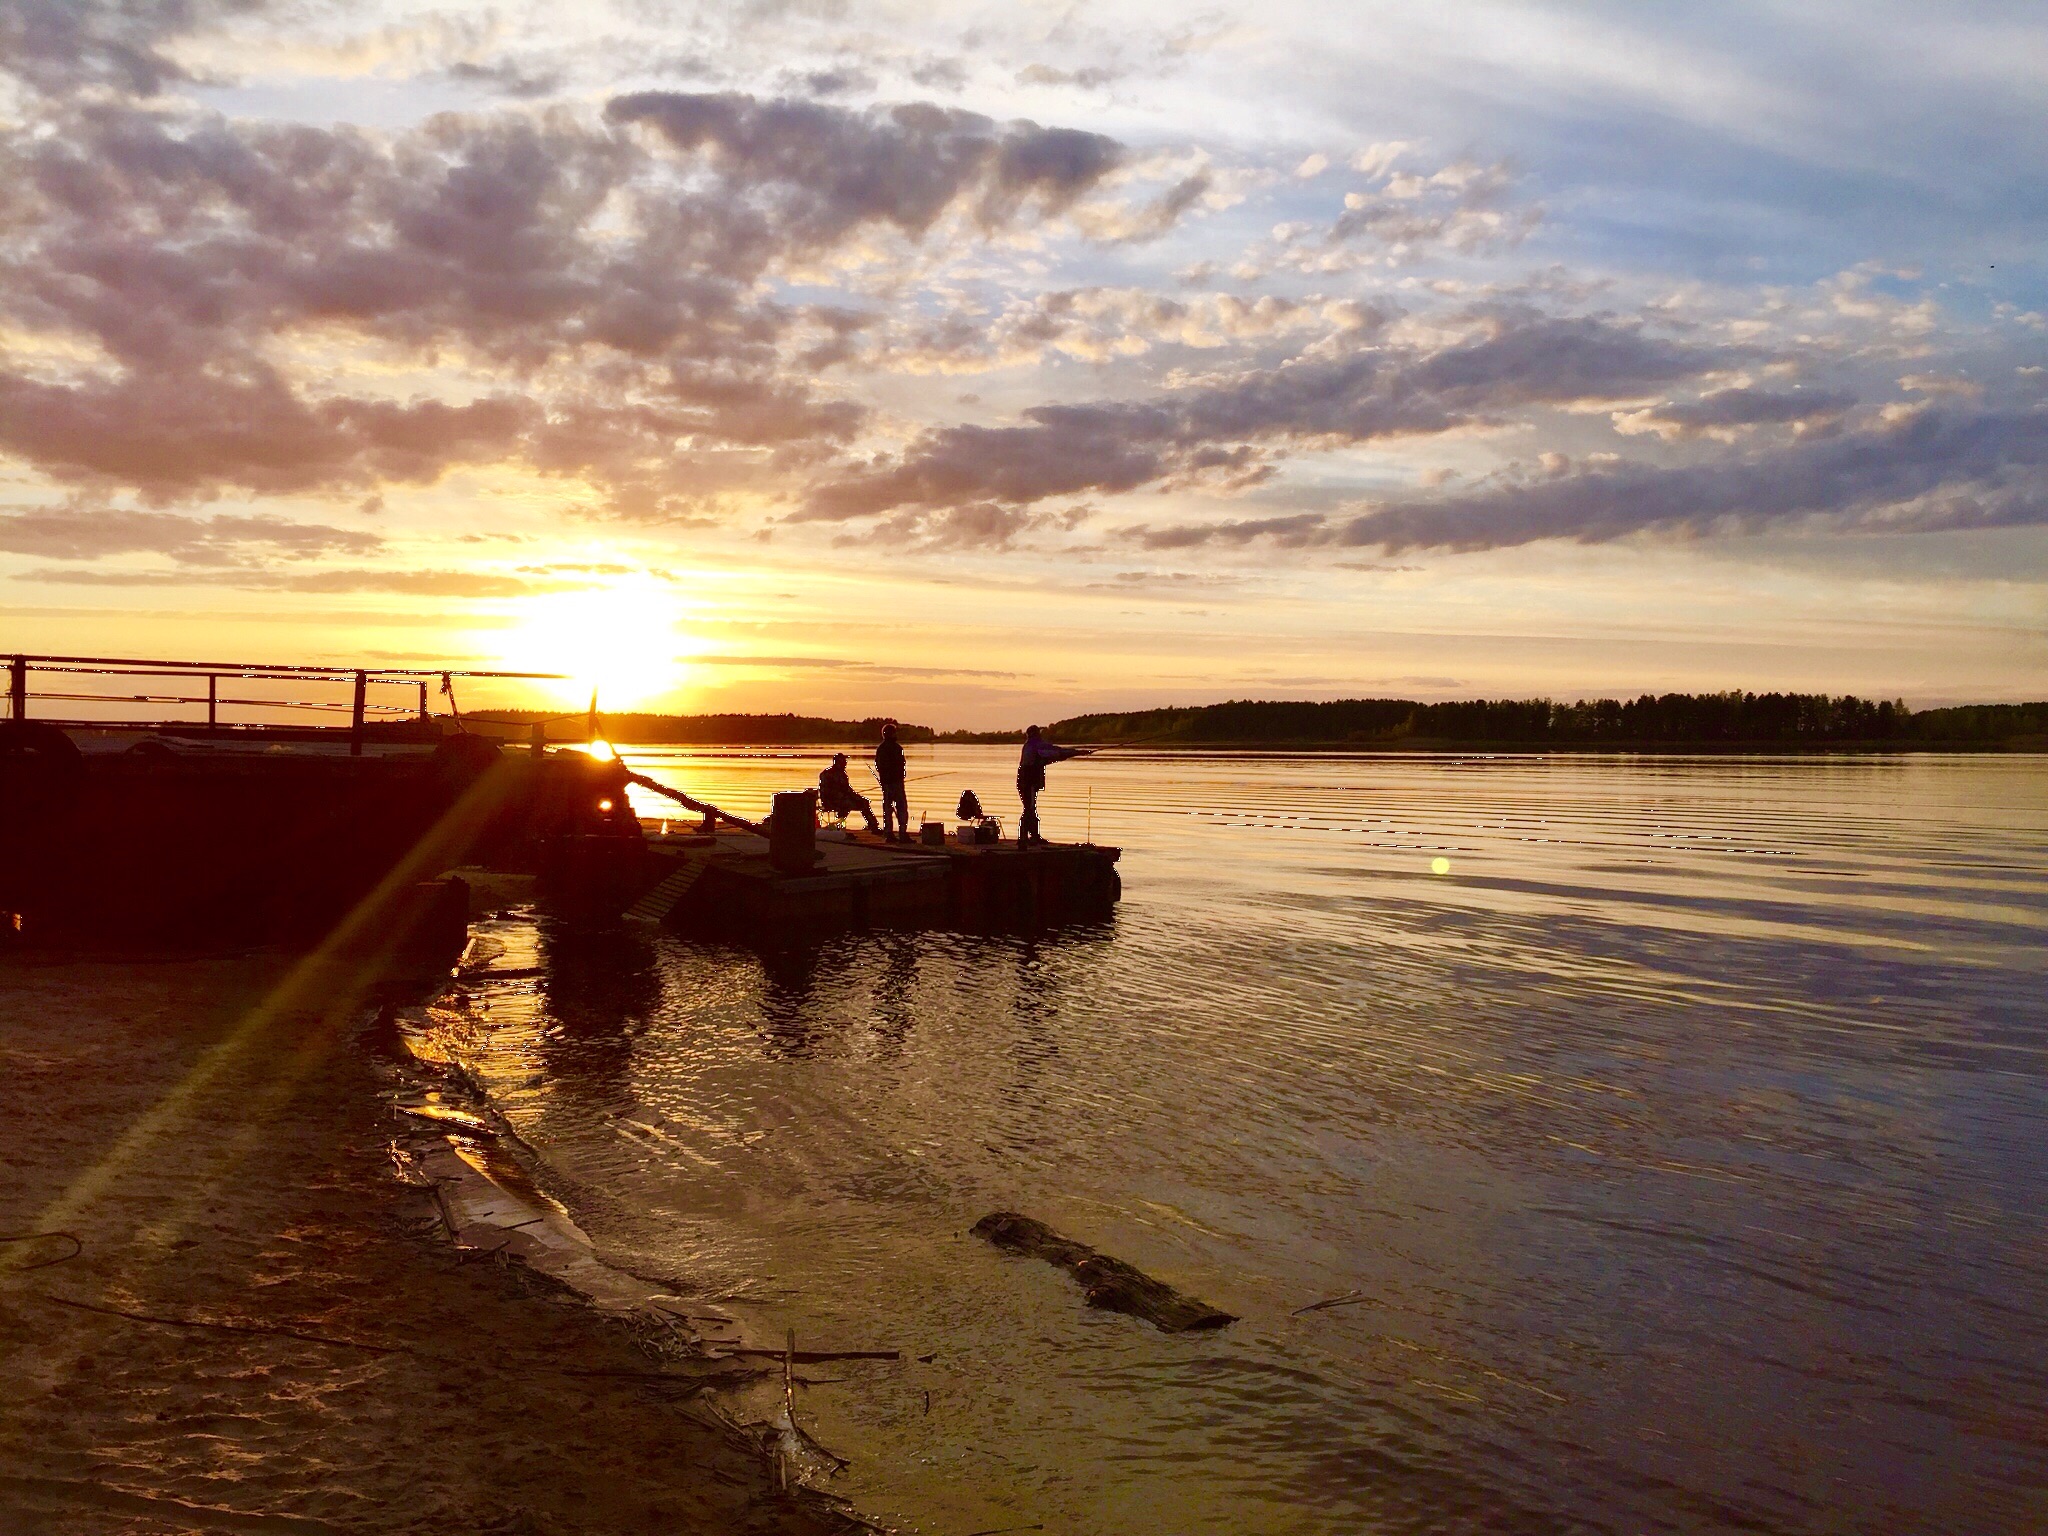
(211, 1131)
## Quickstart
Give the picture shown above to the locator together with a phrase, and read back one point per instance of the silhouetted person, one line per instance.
(1031, 766)
(838, 797)
(889, 768)
(986, 828)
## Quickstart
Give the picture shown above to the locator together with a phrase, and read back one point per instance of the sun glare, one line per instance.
(618, 639)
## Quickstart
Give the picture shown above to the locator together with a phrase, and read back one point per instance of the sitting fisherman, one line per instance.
(986, 828)
(838, 797)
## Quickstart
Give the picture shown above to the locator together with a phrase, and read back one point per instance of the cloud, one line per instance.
(80, 533)
(839, 80)
(1726, 413)
(167, 434)
(1217, 431)
(1379, 160)
(940, 74)
(1169, 584)
(982, 525)
(1290, 531)
(865, 669)
(1117, 224)
(1090, 78)
(413, 583)
(506, 79)
(425, 583)
(1102, 323)
(1942, 384)
(178, 257)
(1926, 472)
(1466, 207)
(1934, 471)
(1463, 206)
(826, 171)
(62, 45)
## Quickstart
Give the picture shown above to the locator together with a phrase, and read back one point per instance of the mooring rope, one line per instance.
(702, 807)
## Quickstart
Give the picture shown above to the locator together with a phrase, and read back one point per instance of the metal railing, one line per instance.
(20, 667)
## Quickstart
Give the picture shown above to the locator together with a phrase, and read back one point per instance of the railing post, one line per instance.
(423, 703)
(355, 721)
(17, 687)
(212, 702)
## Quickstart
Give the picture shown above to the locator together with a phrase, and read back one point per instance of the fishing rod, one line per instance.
(918, 778)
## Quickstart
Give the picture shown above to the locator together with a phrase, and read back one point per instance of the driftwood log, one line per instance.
(1108, 1283)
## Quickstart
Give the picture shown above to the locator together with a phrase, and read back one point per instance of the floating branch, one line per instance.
(1109, 1283)
(1348, 1299)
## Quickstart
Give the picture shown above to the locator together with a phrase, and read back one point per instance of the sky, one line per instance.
(976, 362)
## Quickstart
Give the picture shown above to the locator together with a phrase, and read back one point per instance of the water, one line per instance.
(1680, 1150)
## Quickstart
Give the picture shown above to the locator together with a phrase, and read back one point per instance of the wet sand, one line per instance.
(211, 1130)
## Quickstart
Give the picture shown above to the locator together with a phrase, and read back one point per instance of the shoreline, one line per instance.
(263, 1328)
(489, 1186)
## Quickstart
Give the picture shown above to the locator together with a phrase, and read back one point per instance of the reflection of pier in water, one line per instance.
(603, 990)
(600, 987)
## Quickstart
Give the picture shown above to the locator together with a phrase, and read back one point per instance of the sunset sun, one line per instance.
(619, 640)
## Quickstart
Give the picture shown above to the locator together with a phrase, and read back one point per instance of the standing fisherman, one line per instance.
(889, 769)
(1031, 779)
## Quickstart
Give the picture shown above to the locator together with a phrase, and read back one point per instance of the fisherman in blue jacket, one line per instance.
(1038, 752)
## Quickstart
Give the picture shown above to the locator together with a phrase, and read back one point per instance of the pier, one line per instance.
(126, 832)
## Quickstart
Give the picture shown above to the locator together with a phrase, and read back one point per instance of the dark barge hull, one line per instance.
(726, 887)
(274, 845)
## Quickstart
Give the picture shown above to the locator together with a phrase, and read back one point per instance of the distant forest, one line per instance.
(708, 730)
(1710, 722)
(1671, 721)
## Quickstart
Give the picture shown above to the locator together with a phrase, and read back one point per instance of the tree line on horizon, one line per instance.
(630, 728)
(1723, 719)
(1712, 720)
(1730, 720)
